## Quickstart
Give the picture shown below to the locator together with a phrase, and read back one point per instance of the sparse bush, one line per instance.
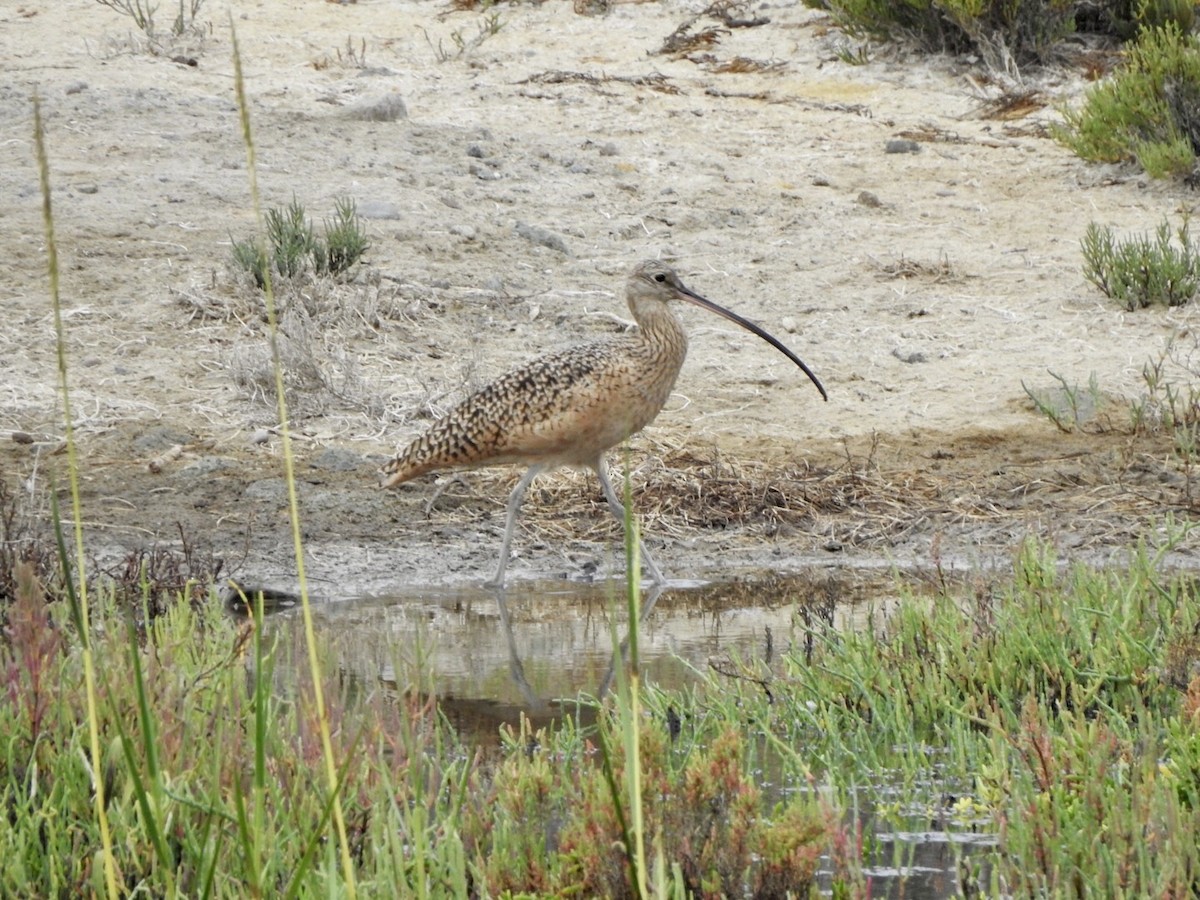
(250, 256)
(143, 11)
(295, 248)
(1148, 112)
(1069, 406)
(345, 240)
(1125, 18)
(292, 239)
(1005, 32)
(1143, 270)
(703, 809)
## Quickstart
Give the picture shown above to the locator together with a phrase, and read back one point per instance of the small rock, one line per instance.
(388, 108)
(89, 187)
(788, 323)
(76, 87)
(608, 149)
(869, 199)
(476, 151)
(538, 235)
(156, 440)
(261, 436)
(378, 209)
(909, 356)
(206, 466)
(484, 173)
(22, 437)
(466, 232)
(832, 546)
(334, 459)
(266, 489)
(901, 145)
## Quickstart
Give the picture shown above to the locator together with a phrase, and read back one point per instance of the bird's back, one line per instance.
(565, 408)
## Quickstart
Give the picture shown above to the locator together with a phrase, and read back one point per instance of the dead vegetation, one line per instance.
(655, 81)
(1101, 491)
(936, 272)
(687, 39)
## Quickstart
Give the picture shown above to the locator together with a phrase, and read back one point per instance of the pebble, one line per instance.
(378, 209)
(205, 466)
(156, 440)
(388, 108)
(484, 173)
(909, 356)
(334, 459)
(267, 489)
(902, 145)
(537, 235)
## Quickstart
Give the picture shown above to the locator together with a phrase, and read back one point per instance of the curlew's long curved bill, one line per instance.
(704, 303)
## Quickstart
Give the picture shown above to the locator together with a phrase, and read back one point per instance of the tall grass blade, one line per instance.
(261, 686)
(304, 865)
(82, 624)
(331, 768)
(627, 803)
(631, 705)
(149, 797)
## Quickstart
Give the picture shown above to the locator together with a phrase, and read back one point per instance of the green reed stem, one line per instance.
(89, 666)
(631, 726)
(331, 767)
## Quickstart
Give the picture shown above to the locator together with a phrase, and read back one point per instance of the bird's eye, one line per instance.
(660, 277)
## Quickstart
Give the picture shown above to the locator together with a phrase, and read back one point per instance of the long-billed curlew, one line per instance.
(568, 408)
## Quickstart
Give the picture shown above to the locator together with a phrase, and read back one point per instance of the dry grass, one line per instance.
(856, 502)
(654, 81)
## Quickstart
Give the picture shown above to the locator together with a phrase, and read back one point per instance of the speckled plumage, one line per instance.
(569, 407)
(565, 408)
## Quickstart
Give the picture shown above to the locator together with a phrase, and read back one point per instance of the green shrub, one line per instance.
(1006, 33)
(294, 247)
(1143, 270)
(1125, 18)
(1001, 30)
(345, 241)
(1148, 112)
(292, 240)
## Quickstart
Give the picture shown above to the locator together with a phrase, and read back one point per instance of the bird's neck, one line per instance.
(659, 326)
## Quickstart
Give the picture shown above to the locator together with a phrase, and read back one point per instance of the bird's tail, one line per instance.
(397, 471)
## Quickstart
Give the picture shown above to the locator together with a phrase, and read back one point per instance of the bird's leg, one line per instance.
(618, 510)
(514, 506)
(441, 489)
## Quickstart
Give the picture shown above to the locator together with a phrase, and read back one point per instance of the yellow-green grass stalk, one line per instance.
(632, 709)
(331, 767)
(89, 668)
(627, 803)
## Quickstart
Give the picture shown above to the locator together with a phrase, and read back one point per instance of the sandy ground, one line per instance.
(532, 170)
